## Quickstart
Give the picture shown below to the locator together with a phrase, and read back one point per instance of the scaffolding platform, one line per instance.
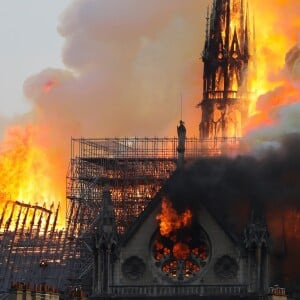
(133, 168)
(33, 250)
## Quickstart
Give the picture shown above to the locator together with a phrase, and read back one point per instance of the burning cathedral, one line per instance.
(169, 249)
(138, 223)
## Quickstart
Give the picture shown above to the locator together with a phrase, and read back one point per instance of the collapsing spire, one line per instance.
(226, 58)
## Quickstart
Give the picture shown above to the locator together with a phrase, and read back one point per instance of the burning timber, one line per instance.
(29, 243)
(113, 245)
(226, 57)
(124, 237)
(34, 251)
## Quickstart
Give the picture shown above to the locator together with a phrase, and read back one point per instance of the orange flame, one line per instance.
(26, 176)
(170, 220)
(48, 86)
(274, 38)
(179, 249)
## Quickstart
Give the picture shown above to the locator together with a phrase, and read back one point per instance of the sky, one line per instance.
(29, 43)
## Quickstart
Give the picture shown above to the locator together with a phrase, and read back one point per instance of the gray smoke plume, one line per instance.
(127, 63)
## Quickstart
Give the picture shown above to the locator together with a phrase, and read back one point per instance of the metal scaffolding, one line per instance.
(33, 250)
(133, 168)
(30, 245)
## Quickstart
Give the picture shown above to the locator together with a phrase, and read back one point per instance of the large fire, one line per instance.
(180, 251)
(277, 27)
(27, 172)
(170, 220)
(27, 184)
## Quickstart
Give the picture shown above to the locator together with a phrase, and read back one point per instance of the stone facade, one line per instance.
(232, 267)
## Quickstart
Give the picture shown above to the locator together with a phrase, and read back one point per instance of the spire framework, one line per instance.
(225, 101)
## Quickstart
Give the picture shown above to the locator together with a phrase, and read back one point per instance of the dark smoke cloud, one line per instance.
(271, 178)
(230, 188)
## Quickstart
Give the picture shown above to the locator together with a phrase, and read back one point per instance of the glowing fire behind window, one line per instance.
(181, 247)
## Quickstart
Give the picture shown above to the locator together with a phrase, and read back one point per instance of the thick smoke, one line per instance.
(225, 182)
(268, 178)
(128, 62)
(229, 188)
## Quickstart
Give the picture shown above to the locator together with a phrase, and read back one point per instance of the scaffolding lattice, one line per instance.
(33, 250)
(133, 168)
(30, 245)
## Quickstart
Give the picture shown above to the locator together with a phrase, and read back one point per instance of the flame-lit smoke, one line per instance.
(49, 85)
(124, 69)
(278, 110)
(123, 60)
(275, 80)
(131, 71)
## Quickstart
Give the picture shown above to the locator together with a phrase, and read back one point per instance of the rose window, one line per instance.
(133, 268)
(181, 255)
